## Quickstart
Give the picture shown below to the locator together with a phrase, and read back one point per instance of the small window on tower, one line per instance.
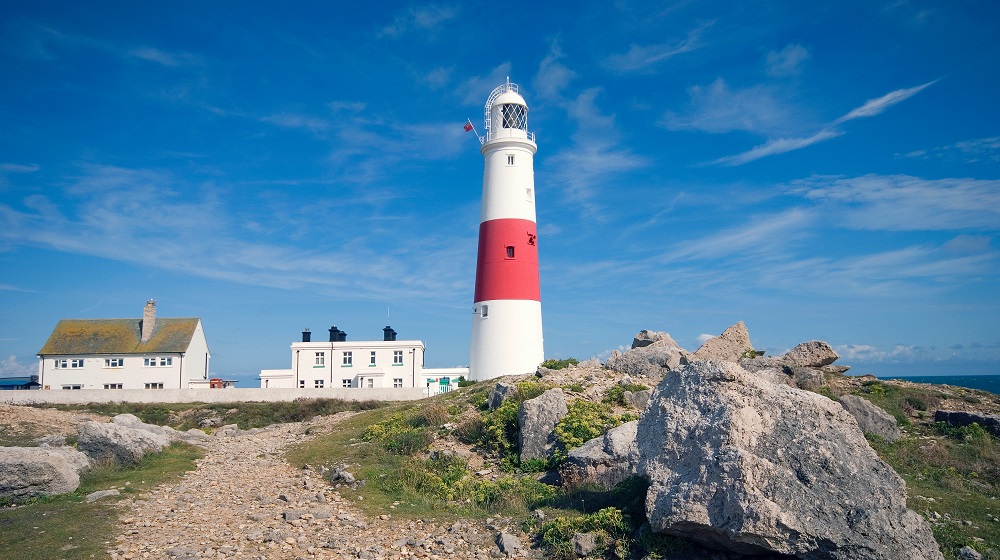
(510, 251)
(510, 159)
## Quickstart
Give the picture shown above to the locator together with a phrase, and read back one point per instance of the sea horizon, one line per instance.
(982, 382)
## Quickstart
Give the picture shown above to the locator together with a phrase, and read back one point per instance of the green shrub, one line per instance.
(584, 421)
(616, 394)
(463, 382)
(610, 526)
(574, 388)
(500, 430)
(399, 435)
(560, 364)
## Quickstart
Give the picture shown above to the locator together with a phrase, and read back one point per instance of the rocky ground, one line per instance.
(245, 501)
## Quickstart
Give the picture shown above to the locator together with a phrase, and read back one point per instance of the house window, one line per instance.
(397, 357)
(348, 359)
(112, 385)
(510, 251)
(61, 364)
(154, 385)
(372, 361)
(320, 359)
(157, 362)
(397, 383)
(164, 362)
(345, 383)
(114, 362)
(371, 383)
(302, 383)
(510, 159)
(77, 363)
(318, 384)
(72, 387)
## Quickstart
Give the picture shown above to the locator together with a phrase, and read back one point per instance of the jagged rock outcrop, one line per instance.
(989, 422)
(814, 354)
(727, 347)
(132, 421)
(603, 461)
(104, 442)
(738, 463)
(499, 393)
(28, 472)
(537, 419)
(871, 419)
(651, 355)
(638, 399)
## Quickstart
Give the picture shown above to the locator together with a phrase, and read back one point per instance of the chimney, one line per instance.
(334, 334)
(306, 335)
(341, 336)
(148, 320)
(389, 335)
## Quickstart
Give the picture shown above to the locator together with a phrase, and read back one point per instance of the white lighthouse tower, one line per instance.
(507, 313)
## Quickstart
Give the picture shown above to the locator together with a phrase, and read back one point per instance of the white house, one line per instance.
(374, 364)
(147, 353)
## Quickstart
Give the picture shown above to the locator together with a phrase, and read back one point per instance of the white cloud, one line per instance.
(552, 77)
(703, 338)
(907, 203)
(764, 234)
(877, 106)
(160, 56)
(787, 62)
(776, 146)
(423, 18)
(718, 108)
(969, 151)
(19, 167)
(10, 367)
(643, 57)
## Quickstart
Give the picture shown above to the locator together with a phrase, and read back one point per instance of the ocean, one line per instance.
(989, 383)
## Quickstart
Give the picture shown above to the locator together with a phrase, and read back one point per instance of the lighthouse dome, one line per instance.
(509, 97)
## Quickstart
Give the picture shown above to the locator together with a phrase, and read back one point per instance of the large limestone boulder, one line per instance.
(537, 419)
(123, 445)
(741, 464)
(603, 461)
(499, 393)
(727, 347)
(871, 419)
(813, 354)
(28, 472)
(989, 422)
(131, 421)
(651, 355)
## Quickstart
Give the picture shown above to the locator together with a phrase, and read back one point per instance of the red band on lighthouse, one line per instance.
(507, 267)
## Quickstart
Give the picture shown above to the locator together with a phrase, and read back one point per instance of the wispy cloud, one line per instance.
(871, 108)
(10, 367)
(644, 57)
(907, 203)
(786, 62)
(427, 19)
(717, 108)
(968, 151)
(877, 106)
(19, 167)
(163, 57)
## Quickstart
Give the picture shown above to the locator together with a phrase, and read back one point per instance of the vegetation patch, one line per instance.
(616, 394)
(66, 526)
(560, 364)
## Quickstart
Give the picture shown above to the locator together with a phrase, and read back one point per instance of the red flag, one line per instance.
(468, 126)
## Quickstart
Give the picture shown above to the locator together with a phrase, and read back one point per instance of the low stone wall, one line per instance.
(232, 395)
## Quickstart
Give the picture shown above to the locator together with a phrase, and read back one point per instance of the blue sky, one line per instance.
(824, 170)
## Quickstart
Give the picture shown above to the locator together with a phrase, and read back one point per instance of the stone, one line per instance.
(741, 464)
(584, 544)
(499, 393)
(871, 419)
(508, 543)
(117, 443)
(94, 496)
(29, 472)
(590, 363)
(989, 422)
(637, 399)
(728, 346)
(537, 419)
(51, 441)
(647, 338)
(969, 553)
(814, 353)
(808, 378)
(603, 461)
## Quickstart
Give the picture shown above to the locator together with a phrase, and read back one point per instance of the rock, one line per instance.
(28, 472)
(640, 362)
(727, 347)
(507, 543)
(837, 370)
(989, 422)
(117, 443)
(590, 363)
(808, 378)
(814, 353)
(871, 419)
(132, 421)
(499, 393)
(647, 338)
(969, 553)
(51, 441)
(537, 419)
(584, 544)
(637, 399)
(603, 461)
(741, 464)
(94, 496)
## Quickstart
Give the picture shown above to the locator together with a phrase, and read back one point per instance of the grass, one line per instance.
(67, 527)
(184, 416)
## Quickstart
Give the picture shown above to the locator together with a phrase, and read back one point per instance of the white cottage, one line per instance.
(147, 353)
(370, 364)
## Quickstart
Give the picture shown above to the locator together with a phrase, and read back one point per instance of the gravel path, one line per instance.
(245, 501)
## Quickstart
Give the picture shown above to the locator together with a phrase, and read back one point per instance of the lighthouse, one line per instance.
(507, 309)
